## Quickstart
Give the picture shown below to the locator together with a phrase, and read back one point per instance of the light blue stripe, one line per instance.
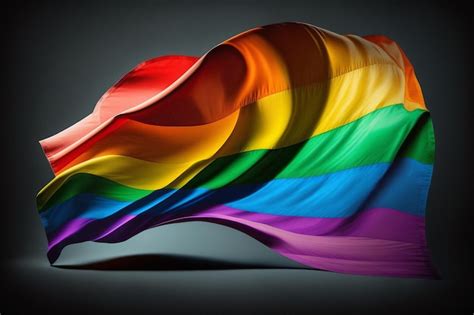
(340, 194)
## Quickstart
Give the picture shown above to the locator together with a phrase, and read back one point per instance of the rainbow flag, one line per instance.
(318, 145)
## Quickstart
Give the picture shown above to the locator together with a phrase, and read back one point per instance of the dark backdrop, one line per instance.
(60, 58)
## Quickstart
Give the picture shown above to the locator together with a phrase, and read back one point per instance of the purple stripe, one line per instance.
(373, 242)
(382, 223)
(67, 231)
(354, 255)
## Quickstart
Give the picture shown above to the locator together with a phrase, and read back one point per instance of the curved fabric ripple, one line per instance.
(316, 144)
(236, 73)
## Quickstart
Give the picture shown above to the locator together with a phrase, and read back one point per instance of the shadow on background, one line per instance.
(168, 262)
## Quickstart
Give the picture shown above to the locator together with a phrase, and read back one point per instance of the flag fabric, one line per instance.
(318, 145)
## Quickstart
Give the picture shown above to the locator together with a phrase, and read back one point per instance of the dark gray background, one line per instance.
(60, 58)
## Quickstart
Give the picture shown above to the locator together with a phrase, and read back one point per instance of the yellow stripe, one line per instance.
(275, 121)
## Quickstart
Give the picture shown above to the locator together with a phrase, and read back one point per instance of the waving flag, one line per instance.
(318, 145)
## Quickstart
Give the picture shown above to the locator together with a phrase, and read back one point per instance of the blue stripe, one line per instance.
(402, 186)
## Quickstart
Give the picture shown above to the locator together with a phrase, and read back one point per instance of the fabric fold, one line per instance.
(318, 145)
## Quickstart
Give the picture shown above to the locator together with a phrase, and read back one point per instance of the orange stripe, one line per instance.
(240, 71)
(413, 93)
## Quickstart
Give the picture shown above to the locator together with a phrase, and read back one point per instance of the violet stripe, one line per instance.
(328, 251)
(380, 223)
(348, 254)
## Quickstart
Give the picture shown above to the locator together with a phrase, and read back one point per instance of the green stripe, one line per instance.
(88, 183)
(420, 143)
(374, 138)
